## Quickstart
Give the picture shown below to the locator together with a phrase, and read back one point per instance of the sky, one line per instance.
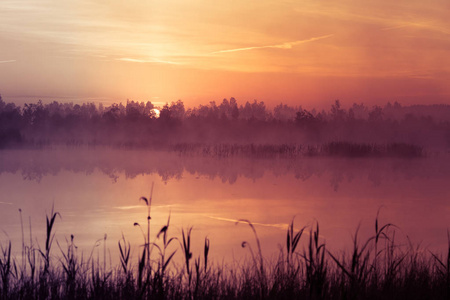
(307, 52)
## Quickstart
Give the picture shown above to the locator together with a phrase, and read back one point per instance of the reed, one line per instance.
(49, 239)
(148, 202)
(375, 268)
(186, 248)
(292, 151)
(292, 241)
(7, 267)
(160, 281)
(316, 265)
(442, 267)
(124, 248)
(261, 270)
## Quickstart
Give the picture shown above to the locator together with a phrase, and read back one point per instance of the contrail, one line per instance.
(7, 61)
(287, 45)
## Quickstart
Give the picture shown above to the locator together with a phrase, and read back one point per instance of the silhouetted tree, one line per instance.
(177, 110)
(256, 110)
(304, 118)
(337, 113)
(10, 124)
(376, 114)
(360, 111)
(165, 113)
(134, 111)
(234, 109)
(35, 114)
(136, 124)
(112, 113)
(283, 112)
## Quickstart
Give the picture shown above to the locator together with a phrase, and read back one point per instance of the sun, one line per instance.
(156, 112)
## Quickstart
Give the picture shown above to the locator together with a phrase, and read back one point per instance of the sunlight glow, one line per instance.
(157, 112)
(290, 51)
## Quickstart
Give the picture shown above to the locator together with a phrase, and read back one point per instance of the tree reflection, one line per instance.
(36, 164)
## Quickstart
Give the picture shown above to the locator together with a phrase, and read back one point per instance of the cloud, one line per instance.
(145, 61)
(280, 226)
(7, 61)
(420, 25)
(287, 45)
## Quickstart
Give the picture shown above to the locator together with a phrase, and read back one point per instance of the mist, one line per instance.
(142, 125)
(214, 164)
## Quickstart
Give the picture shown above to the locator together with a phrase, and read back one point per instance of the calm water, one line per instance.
(97, 192)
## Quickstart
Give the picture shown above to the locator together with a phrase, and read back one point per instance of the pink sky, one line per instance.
(298, 52)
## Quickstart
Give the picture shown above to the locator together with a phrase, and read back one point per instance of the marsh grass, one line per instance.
(375, 268)
(289, 151)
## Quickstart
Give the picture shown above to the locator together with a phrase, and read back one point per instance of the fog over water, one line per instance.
(97, 191)
(215, 164)
(138, 125)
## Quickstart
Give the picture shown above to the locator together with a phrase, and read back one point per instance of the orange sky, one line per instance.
(299, 52)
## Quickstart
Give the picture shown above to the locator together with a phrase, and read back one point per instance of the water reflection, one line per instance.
(34, 165)
(97, 192)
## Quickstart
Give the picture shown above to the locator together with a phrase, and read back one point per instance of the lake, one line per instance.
(97, 192)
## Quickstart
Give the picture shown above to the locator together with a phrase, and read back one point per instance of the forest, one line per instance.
(174, 126)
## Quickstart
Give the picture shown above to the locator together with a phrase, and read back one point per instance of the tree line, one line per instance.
(141, 124)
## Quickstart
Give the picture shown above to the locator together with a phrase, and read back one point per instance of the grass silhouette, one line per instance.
(376, 268)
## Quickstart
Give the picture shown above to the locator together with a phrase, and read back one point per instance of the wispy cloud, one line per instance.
(396, 27)
(7, 61)
(129, 207)
(420, 25)
(280, 226)
(287, 45)
(144, 61)
(140, 206)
